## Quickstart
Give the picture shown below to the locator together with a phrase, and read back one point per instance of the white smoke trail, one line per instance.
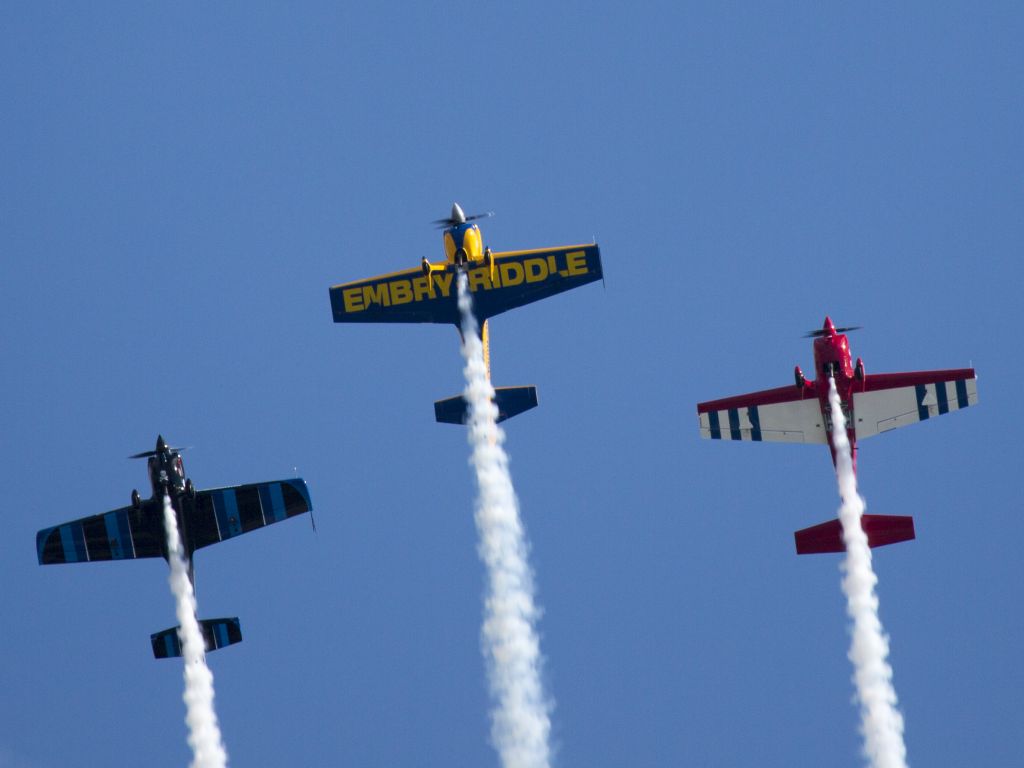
(881, 722)
(203, 731)
(520, 720)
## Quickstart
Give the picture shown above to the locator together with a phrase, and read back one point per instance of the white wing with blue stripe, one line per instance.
(791, 419)
(892, 400)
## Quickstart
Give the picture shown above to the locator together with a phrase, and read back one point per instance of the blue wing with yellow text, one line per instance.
(517, 278)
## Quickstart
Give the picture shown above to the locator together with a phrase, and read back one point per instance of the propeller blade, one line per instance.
(450, 222)
(147, 454)
(822, 332)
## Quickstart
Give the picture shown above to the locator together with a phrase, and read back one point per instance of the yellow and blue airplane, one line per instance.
(498, 282)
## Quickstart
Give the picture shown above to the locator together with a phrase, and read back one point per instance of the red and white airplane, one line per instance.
(872, 404)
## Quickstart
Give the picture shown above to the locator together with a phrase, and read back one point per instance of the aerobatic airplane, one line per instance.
(871, 403)
(498, 282)
(204, 518)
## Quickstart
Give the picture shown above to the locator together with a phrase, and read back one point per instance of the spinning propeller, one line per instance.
(830, 330)
(458, 217)
(161, 447)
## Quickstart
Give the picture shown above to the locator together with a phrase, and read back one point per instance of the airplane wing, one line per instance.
(518, 278)
(408, 296)
(522, 277)
(782, 415)
(121, 534)
(223, 513)
(891, 400)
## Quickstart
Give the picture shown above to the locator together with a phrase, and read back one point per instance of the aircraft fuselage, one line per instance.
(832, 361)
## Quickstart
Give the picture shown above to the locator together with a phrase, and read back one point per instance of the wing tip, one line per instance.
(303, 490)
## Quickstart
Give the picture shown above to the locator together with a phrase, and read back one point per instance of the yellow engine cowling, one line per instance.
(463, 244)
(473, 244)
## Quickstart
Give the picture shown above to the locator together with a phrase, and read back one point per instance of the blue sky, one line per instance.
(181, 186)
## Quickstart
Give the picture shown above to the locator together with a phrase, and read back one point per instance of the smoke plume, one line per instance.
(881, 722)
(203, 731)
(520, 719)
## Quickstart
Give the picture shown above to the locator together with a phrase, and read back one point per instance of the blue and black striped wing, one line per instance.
(121, 534)
(223, 513)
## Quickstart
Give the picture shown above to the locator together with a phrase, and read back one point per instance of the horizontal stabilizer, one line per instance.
(216, 633)
(828, 537)
(511, 401)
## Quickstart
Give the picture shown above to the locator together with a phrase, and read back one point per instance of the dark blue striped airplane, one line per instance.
(204, 518)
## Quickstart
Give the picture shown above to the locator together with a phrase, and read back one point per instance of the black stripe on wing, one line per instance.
(223, 513)
(121, 534)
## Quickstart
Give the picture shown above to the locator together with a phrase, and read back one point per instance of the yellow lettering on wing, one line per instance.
(421, 287)
(577, 262)
(479, 277)
(444, 282)
(552, 267)
(401, 291)
(353, 298)
(376, 293)
(511, 273)
(536, 270)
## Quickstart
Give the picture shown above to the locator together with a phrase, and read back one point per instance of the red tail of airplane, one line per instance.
(828, 537)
